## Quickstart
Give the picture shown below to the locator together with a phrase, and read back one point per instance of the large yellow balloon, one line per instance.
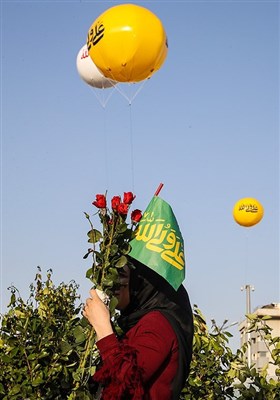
(248, 212)
(127, 43)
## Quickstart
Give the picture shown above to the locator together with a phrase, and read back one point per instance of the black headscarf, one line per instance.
(150, 292)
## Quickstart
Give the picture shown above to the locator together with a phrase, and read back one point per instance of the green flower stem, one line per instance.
(93, 244)
(108, 248)
(85, 357)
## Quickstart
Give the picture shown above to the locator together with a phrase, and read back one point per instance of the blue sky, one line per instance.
(206, 125)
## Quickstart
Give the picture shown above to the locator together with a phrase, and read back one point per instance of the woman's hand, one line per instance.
(98, 315)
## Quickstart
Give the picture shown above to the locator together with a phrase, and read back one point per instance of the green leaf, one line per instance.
(113, 303)
(266, 317)
(14, 352)
(38, 380)
(122, 261)
(94, 236)
(107, 283)
(79, 335)
(32, 356)
(114, 249)
(113, 274)
(126, 248)
(77, 375)
(252, 317)
(6, 359)
(84, 322)
(65, 347)
(89, 273)
(12, 300)
(20, 314)
(15, 390)
(2, 391)
(121, 228)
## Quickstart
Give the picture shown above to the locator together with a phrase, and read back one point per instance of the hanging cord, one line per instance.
(130, 96)
(105, 130)
(103, 95)
(131, 147)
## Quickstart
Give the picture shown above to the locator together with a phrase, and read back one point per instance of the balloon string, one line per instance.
(106, 148)
(101, 97)
(140, 87)
(110, 94)
(117, 86)
(131, 146)
(130, 98)
(122, 92)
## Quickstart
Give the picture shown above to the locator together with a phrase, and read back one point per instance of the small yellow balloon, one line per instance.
(127, 43)
(248, 212)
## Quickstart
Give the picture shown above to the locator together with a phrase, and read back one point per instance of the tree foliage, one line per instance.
(217, 373)
(44, 340)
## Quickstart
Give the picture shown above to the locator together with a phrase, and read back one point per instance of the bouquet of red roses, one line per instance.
(111, 246)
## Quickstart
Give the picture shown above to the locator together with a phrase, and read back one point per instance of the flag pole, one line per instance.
(158, 189)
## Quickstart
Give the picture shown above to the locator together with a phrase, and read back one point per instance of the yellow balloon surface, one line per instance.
(248, 212)
(127, 43)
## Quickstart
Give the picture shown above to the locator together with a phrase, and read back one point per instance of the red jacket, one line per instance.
(143, 364)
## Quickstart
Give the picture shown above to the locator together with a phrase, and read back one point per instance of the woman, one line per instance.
(151, 360)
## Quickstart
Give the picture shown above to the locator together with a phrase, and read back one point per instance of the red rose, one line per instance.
(128, 197)
(123, 209)
(115, 202)
(100, 201)
(136, 215)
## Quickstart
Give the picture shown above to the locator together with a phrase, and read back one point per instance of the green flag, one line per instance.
(159, 243)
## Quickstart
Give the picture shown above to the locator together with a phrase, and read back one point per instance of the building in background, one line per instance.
(258, 353)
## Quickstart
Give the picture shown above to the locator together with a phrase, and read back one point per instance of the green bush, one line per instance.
(41, 342)
(217, 373)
